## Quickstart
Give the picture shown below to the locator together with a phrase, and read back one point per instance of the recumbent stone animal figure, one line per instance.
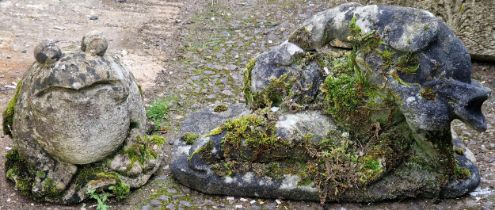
(356, 106)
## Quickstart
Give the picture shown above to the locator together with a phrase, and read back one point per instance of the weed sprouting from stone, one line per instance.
(100, 198)
(157, 111)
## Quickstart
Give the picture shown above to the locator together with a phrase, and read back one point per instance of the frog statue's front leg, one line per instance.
(355, 106)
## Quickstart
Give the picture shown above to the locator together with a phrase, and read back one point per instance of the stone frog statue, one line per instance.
(356, 106)
(78, 126)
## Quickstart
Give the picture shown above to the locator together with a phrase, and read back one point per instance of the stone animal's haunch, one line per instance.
(77, 122)
(355, 106)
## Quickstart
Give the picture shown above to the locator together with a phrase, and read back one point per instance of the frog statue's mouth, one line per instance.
(465, 101)
(470, 111)
(116, 89)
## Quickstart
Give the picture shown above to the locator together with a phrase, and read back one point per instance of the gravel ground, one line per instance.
(193, 52)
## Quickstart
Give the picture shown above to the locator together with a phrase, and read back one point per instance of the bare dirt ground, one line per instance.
(192, 51)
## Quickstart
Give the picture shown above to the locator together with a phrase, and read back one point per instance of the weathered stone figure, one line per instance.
(77, 122)
(355, 106)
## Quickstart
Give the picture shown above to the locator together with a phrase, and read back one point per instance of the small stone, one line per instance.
(155, 203)
(227, 92)
(164, 198)
(185, 203)
(492, 146)
(93, 17)
(345, 135)
(239, 206)
(244, 200)
(59, 28)
(278, 201)
(186, 190)
(483, 148)
(170, 206)
(231, 67)
(219, 55)
(327, 72)
(171, 190)
(147, 207)
(10, 86)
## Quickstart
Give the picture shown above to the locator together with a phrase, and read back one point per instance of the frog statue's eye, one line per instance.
(47, 52)
(94, 43)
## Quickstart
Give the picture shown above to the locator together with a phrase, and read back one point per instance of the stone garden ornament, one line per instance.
(77, 122)
(356, 106)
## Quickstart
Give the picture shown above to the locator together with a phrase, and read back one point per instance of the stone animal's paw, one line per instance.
(139, 156)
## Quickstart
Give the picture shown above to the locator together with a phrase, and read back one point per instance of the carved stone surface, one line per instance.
(472, 21)
(376, 127)
(77, 122)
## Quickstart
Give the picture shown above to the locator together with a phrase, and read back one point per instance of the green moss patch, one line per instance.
(252, 138)
(461, 172)
(19, 171)
(220, 108)
(272, 95)
(167, 191)
(190, 138)
(332, 164)
(23, 174)
(143, 149)
(427, 93)
(8, 113)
